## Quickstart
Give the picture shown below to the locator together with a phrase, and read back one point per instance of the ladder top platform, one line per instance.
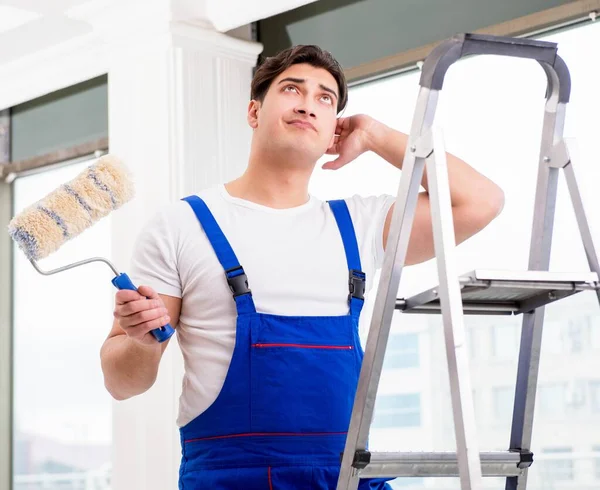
(504, 292)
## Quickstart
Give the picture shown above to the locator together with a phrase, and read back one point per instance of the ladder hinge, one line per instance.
(526, 457)
(361, 459)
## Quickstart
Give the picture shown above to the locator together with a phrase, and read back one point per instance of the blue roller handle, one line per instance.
(161, 334)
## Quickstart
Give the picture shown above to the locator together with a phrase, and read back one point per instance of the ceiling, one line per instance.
(27, 26)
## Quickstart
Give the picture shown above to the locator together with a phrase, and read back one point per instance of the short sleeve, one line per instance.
(368, 215)
(154, 259)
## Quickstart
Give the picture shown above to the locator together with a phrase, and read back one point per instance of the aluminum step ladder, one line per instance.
(478, 292)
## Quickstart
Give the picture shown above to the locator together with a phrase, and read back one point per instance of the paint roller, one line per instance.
(45, 226)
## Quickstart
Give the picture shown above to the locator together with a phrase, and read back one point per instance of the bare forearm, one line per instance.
(466, 184)
(129, 367)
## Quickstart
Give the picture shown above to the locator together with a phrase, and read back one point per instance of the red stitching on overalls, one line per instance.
(253, 434)
(270, 482)
(306, 346)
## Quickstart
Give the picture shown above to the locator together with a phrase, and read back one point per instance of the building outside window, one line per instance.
(397, 411)
(402, 351)
(557, 464)
(503, 399)
(595, 397)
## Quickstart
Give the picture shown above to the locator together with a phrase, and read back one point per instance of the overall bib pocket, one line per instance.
(318, 381)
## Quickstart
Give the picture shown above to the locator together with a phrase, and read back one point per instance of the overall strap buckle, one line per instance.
(357, 284)
(238, 283)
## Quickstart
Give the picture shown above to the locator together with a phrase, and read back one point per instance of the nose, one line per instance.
(304, 110)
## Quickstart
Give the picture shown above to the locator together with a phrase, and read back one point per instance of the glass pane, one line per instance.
(62, 412)
(551, 400)
(595, 396)
(596, 462)
(402, 352)
(505, 341)
(503, 400)
(491, 111)
(594, 322)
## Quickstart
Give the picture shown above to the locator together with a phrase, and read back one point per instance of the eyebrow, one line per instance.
(302, 80)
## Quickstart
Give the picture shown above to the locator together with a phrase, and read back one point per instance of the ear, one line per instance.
(331, 142)
(252, 117)
(333, 135)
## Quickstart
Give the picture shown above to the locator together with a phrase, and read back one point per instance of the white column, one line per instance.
(178, 96)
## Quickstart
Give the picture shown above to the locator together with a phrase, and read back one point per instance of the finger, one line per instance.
(136, 306)
(335, 164)
(142, 317)
(139, 331)
(148, 292)
(333, 149)
(347, 128)
(126, 295)
(335, 141)
(342, 124)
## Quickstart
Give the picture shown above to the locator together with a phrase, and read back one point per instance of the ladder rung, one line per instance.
(490, 292)
(416, 464)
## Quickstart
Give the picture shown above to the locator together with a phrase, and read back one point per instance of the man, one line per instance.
(255, 275)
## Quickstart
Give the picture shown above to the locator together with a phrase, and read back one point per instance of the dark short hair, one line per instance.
(273, 66)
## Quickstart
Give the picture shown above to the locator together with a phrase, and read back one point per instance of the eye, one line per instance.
(328, 99)
(285, 89)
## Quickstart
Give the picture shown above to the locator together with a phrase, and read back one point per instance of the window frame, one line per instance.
(6, 339)
(9, 172)
(6, 312)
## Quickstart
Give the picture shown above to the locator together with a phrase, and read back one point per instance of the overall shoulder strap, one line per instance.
(234, 272)
(356, 277)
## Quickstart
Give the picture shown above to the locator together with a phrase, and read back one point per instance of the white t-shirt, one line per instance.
(294, 260)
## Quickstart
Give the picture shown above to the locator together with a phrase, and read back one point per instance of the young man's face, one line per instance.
(299, 111)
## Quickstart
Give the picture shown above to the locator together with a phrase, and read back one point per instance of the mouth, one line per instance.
(302, 124)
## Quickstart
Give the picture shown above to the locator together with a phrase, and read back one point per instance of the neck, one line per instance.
(273, 180)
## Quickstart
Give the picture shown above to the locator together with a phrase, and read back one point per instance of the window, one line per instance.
(595, 396)
(594, 321)
(505, 341)
(402, 351)
(552, 400)
(62, 412)
(576, 336)
(407, 483)
(503, 399)
(553, 338)
(475, 334)
(491, 112)
(397, 411)
(557, 464)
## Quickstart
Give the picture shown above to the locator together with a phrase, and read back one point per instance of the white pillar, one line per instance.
(178, 96)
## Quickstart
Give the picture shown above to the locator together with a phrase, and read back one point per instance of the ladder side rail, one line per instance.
(383, 310)
(539, 259)
(582, 221)
(452, 316)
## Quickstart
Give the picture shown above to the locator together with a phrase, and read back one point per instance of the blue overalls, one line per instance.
(281, 418)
